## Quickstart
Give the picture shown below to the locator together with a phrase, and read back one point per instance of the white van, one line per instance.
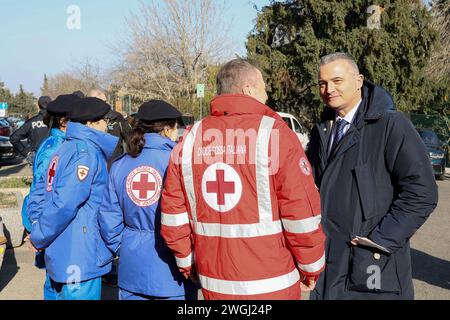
(294, 124)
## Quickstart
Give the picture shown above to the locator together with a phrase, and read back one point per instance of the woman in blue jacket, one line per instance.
(130, 216)
(64, 220)
(55, 119)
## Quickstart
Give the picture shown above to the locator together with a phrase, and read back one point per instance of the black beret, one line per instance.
(88, 109)
(79, 93)
(62, 104)
(154, 110)
(44, 101)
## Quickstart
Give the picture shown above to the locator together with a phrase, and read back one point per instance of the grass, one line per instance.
(15, 183)
(8, 200)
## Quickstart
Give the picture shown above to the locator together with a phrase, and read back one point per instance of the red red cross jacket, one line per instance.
(241, 205)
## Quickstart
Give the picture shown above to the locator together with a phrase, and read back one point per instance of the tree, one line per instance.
(170, 48)
(290, 37)
(438, 69)
(5, 94)
(45, 90)
(84, 76)
(24, 103)
(439, 66)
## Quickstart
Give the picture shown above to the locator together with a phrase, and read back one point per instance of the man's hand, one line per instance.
(31, 245)
(355, 242)
(308, 283)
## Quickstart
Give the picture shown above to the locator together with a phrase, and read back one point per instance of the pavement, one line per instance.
(17, 168)
(430, 255)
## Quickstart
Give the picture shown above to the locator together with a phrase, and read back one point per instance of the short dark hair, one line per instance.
(52, 121)
(231, 74)
(79, 93)
(338, 56)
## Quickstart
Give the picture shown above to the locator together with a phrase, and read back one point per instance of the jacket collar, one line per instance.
(157, 141)
(238, 104)
(57, 133)
(103, 141)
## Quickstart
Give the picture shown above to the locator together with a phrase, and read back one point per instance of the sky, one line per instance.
(35, 39)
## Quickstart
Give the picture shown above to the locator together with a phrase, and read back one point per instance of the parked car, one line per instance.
(15, 122)
(294, 124)
(5, 128)
(7, 153)
(436, 151)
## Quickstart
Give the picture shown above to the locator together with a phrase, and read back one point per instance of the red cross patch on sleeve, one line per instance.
(51, 173)
(82, 172)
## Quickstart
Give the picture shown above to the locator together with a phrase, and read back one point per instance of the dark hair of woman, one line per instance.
(52, 121)
(136, 140)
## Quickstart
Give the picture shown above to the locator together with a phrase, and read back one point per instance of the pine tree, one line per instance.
(45, 90)
(290, 37)
(24, 103)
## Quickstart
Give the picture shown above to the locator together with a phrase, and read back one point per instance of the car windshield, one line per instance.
(288, 122)
(429, 137)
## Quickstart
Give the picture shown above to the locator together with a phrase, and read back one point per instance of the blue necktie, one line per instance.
(340, 125)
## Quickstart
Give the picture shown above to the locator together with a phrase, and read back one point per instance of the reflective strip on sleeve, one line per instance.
(185, 262)
(174, 220)
(250, 287)
(313, 267)
(302, 226)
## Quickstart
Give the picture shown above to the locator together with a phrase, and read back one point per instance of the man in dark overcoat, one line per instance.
(376, 185)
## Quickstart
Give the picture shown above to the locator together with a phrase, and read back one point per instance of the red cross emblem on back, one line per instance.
(220, 187)
(144, 186)
(51, 173)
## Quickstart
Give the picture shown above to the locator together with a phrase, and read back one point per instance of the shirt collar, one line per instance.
(349, 116)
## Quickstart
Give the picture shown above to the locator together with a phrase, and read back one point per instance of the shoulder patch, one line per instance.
(82, 172)
(51, 172)
(305, 166)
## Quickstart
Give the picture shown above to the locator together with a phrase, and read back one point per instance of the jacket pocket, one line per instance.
(372, 271)
(104, 256)
(367, 191)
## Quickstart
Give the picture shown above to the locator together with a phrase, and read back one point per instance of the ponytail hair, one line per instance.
(136, 141)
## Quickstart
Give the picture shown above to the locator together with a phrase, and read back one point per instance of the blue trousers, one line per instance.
(127, 295)
(86, 290)
(49, 292)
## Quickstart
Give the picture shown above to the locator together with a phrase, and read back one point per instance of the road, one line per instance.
(19, 279)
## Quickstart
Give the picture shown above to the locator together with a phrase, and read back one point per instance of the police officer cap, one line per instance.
(88, 109)
(44, 101)
(154, 110)
(62, 104)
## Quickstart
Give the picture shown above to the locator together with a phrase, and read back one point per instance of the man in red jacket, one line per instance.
(239, 204)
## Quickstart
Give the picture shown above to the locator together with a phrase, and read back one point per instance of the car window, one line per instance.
(288, 122)
(429, 137)
(297, 127)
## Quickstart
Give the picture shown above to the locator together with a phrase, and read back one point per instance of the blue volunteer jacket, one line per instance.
(130, 222)
(64, 220)
(41, 161)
